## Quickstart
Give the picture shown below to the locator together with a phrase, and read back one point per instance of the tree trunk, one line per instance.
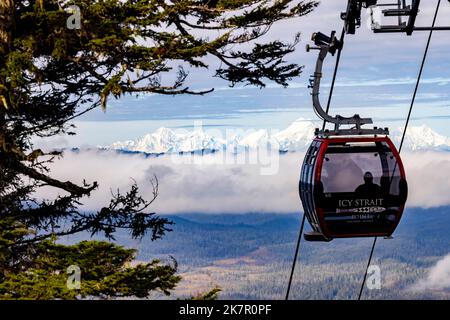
(6, 26)
(6, 23)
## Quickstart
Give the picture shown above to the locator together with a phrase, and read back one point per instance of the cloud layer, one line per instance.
(211, 187)
(438, 277)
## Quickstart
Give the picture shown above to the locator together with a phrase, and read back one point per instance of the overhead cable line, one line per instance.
(336, 67)
(404, 130)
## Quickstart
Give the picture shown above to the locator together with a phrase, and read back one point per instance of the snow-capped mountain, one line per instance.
(165, 140)
(422, 138)
(296, 137)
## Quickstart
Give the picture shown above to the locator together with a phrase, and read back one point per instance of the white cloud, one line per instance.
(428, 180)
(438, 277)
(237, 188)
(207, 187)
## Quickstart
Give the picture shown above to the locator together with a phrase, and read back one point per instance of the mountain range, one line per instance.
(296, 137)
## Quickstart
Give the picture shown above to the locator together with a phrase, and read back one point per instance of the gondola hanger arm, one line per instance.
(326, 45)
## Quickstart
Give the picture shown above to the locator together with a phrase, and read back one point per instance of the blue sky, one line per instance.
(376, 79)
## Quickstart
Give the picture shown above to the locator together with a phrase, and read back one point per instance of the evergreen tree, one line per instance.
(61, 59)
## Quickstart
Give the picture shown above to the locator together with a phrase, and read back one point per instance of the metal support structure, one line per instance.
(432, 28)
(412, 17)
(352, 17)
(331, 45)
(396, 30)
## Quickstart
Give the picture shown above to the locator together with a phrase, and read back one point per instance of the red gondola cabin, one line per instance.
(352, 187)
